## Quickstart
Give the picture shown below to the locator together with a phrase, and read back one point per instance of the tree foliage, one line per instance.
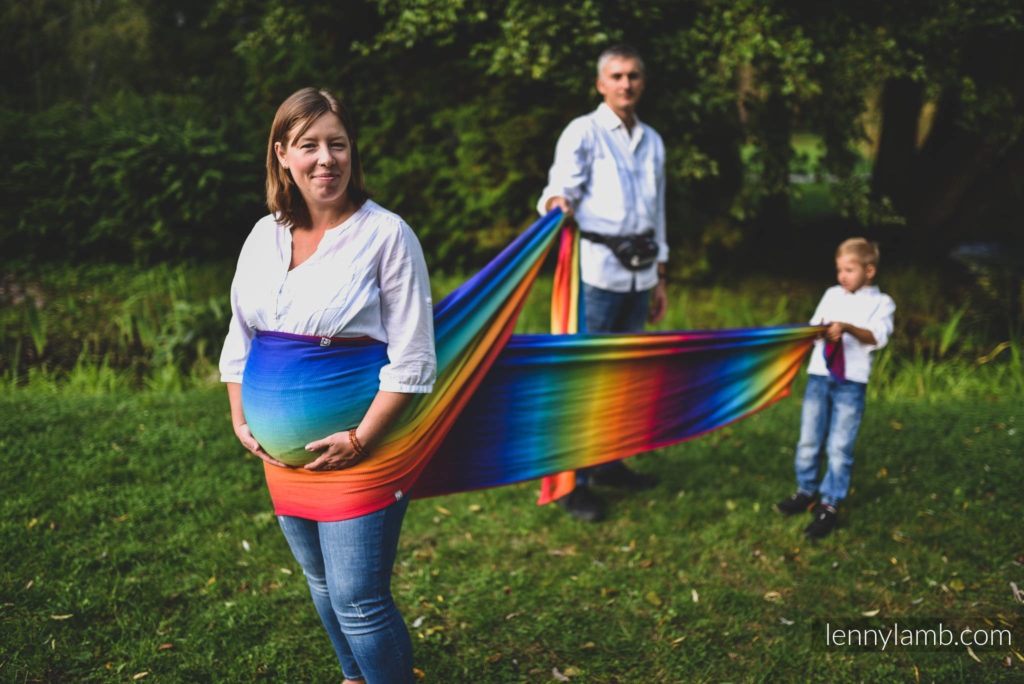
(137, 128)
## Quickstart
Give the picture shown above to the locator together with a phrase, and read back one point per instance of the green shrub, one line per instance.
(133, 179)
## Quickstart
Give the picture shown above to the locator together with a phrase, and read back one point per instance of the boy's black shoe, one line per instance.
(583, 504)
(616, 474)
(798, 503)
(823, 523)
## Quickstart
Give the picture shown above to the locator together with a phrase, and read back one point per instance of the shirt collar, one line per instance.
(610, 120)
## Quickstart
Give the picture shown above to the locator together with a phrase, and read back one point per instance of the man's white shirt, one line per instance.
(614, 179)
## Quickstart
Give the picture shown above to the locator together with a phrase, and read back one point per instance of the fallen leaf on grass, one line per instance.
(870, 613)
(896, 425)
(785, 621)
(956, 585)
(652, 598)
(62, 617)
(589, 646)
(476, 508)
(164, 647)
(1019, 656)
(492, 659)
(773, 596)
(141, 675)
(558, 675)
(693, 595)
(442, 510)
(676, 642)
(971, 653)
(418, 673)
(1017, 595)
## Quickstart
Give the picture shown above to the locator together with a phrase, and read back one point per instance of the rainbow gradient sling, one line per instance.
(505, 408)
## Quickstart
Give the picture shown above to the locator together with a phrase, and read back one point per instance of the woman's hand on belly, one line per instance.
(250, 443)
(336, 453)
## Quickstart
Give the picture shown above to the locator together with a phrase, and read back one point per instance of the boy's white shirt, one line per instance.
(867, 308)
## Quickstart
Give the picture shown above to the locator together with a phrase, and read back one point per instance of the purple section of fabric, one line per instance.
(834, 360)
(322, 341)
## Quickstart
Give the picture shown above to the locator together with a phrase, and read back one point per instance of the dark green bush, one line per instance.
(133, 179)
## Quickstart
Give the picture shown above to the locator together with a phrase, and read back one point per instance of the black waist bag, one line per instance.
(635, 252)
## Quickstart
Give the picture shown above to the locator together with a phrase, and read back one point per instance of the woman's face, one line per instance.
(320, 162)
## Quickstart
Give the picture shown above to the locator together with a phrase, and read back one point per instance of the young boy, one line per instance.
(859, 318)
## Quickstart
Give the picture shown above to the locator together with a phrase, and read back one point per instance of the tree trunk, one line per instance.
(897, 145)
(776, 131)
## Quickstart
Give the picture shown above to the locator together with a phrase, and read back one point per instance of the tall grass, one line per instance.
(103, 329)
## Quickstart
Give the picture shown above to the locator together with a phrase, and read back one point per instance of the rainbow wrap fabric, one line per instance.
(506, 408)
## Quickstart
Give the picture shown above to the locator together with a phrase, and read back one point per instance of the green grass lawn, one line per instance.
(138, 542)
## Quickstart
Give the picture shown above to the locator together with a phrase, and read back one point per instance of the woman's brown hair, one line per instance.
(299, 111)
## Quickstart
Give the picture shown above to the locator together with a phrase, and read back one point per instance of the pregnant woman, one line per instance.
(330, 273)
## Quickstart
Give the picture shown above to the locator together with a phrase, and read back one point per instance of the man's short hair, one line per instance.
(861, 249)
(622, 52)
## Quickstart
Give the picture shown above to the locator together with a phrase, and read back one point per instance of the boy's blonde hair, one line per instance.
(863, 250)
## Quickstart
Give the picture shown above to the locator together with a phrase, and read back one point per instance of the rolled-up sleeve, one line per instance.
(880, 322)
(407, 316)
(235, 351)
(659, 217)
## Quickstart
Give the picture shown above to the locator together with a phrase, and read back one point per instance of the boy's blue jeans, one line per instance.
(831, 415)
(348, 566)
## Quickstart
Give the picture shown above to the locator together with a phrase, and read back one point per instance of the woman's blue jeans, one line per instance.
(830, 417)
(348, 566)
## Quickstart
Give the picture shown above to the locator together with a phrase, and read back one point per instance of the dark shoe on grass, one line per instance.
(798, 503)
(583, 504)
(823, 524)
(618, 475)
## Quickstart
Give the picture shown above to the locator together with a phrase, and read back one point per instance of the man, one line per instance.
(609, 176)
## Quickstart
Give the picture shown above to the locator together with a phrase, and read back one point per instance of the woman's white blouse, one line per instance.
(367, 277)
